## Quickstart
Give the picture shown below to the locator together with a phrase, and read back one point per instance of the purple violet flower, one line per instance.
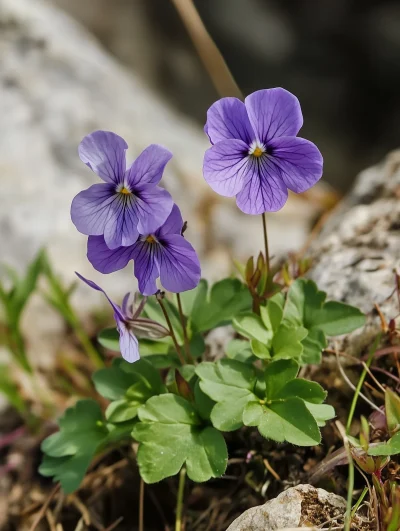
(128, 323)
(164, 253)
(256, 155)
(129, 202)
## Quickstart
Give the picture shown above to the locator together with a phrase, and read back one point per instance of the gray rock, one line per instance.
(299, 506)
(359, 248)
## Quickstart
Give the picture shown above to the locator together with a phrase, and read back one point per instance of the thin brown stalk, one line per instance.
(208, 51)
(141, 505)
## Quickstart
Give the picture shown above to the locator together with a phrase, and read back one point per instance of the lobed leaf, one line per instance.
(171, 433)
(226, 299)
(68, 453)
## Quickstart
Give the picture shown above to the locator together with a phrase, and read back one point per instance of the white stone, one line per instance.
(293, 508)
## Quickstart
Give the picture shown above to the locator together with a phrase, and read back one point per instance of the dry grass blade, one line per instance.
(44, 508)
(114, 525)
(51, 520)
(208, 52)
(81, 508)
(271, 470)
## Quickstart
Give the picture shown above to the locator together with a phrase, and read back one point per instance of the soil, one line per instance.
(258, 470)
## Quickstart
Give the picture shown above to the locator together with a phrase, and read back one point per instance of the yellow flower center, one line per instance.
(150, 239)
(257, 152)
(124, 191)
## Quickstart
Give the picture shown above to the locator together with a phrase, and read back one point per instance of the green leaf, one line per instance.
(230, 383)
(152, 347)
(313, 345)
(392, 410)
(122, 410)
(239, 349)
(189, 298)
(228, 416)
(321, 412)
(208, 456)
(272, 313)
(24, 288)
(277, 375)
(197, 345)
(289, 420)
(204, 404)
(171, 434)
(288, 405)
(227, 298)
(69, 452)
(306, 306)
(286, 342)
(260, 350)
(226, 379)
(112, 382)
(391, 447)
(251, 326)
(304, 389)
(109, 339)
(129, 386)
(337, 318)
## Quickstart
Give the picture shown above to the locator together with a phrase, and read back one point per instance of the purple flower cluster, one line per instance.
(129, 217)
(255, 154)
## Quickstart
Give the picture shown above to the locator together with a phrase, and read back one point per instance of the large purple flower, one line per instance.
(256, 155)
(129, 323)
(129, 202)
(164, 253)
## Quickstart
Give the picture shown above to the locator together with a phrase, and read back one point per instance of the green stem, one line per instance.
(359, 501)
(361, 381)
(179, 501)
(185, 336)
(264, 221)
(171, 331)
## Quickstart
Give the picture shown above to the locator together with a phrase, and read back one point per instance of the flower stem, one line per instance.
(141, 505)
(185, 336)
(264, 221)
(179, 501)
(171, 330)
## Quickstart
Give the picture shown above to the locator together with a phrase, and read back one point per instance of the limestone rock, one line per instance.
(299, 506)
(355, 255)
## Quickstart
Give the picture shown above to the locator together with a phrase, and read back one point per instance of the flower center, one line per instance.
(124, 191)
(151, 239)
(257, 149)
